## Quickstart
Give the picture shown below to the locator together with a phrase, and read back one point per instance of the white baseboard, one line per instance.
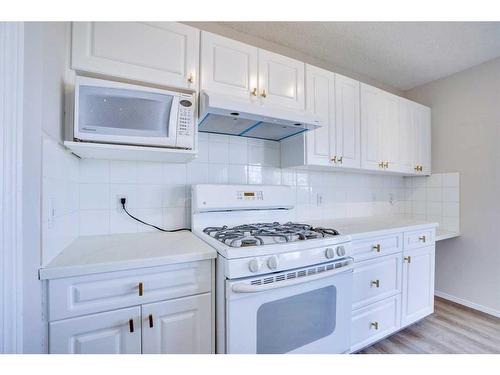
(472, 305)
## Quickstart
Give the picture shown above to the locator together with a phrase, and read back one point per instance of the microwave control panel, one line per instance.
(185, 122)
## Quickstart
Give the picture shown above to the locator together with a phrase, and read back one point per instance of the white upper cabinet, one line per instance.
(347, 137)
(229, 67)
(281, 81)
(163, 53)
(380, 129)
(320, 92)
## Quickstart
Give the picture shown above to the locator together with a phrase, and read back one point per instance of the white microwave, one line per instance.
(114, 112)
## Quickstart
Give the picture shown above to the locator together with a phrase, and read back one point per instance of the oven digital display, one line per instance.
(247, 194)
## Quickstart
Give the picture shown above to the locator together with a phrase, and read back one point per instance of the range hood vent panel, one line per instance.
(225, 115)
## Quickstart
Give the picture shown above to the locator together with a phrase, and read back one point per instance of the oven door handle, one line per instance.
(248, 288)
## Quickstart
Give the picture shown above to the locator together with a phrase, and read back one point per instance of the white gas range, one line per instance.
(281, 286)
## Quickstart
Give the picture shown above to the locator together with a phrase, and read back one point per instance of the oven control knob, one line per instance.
(340, 251)
(254, 265)
(329, 253)
(272, 262)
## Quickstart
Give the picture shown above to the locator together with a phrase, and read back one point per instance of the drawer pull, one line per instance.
(407, 259)
(375, 283)
(421, 238)
(150, 320)
(141, 289)
(374, 325)
(377, 248)
(131, 325)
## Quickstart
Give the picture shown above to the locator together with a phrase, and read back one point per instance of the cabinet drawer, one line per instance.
(376, 279)
(374, 322)
(419, 238)
(80, 295)
(377, 246)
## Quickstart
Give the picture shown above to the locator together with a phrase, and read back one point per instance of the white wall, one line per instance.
(466, 138)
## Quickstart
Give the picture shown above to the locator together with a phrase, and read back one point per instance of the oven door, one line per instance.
(113, 112)
(301, 311)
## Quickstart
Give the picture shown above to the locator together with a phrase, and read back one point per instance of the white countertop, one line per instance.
(372, 226)
(106, 253)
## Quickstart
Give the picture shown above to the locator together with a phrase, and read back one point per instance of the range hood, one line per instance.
(224, 115)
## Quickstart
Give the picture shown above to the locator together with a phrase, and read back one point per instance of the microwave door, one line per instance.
(116, 115)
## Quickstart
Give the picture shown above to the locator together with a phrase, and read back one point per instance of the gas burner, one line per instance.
(257, 234)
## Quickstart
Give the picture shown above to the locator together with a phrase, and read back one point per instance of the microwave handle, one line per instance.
(247, 288)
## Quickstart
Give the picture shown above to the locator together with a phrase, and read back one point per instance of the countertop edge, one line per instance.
(395, 229)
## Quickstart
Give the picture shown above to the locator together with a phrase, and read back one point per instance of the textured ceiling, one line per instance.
(401, 54)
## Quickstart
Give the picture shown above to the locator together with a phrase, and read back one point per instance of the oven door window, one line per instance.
(289, 323)
(123, 112)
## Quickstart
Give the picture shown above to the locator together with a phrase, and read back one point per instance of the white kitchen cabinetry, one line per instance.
(422, 139)
(380, 129)
(229, 67)
(162, 53)
(110, 312)
(257, 76)
(418, 284)
(334, 99)
(113, 332)
(393, 283)
(179, 326)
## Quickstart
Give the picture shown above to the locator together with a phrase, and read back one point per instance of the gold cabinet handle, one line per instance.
(381, 164)
(375, 283)
(420, 168)
(334, 159)
(131, 325)
(263, 94)
(190, 78)
(377, 248)
(422, 238)
(150, 318)
(141, 289)
(386, 164)
(374, 325)
(254, 91)
(417, 168)
(407, 259)
(340, 159)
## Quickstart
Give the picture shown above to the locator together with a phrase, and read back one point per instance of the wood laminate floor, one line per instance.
(452, 329)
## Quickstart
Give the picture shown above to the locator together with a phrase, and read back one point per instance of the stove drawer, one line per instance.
(377, 247)
(376, 279)
(74, 296)
(419, 238)
(374, 322)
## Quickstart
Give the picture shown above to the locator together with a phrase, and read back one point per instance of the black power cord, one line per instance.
(124, 200)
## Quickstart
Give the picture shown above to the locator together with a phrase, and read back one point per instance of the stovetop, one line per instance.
(259, 234)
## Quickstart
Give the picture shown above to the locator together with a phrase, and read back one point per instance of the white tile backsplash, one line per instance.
(84, 193)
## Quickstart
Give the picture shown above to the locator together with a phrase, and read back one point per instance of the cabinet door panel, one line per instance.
(164, 53)
(347, 123)
(228, 67)
(423, 138)
(180, 326)
(320, 102)
(389, 106)
(282, 80)
(104, 333)
(407, 137)
(371, 154)
(418, 284)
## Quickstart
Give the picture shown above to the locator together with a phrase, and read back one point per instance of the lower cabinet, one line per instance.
(113, 332)
(418, 284)
(180, 326)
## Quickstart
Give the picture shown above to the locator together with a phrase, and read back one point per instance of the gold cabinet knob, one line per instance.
(254, 91)
(334, 159)
(141, 289)
(417, 168)
(377, 248)
(263, 93)
(386, 164)
(381, 164)
(407, 259)
(374, 325)
(190, 78)
(340, 159)
(420, 168)
(375, 283)
(422, 238)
